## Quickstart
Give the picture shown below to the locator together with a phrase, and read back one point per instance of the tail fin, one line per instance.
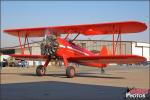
(103, 51)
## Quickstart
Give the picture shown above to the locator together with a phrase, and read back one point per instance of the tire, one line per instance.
(70, 72)
(40, 70)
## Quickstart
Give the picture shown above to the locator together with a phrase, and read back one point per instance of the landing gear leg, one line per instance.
(70, 70)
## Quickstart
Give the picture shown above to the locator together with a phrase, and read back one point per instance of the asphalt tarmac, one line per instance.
(89, 84)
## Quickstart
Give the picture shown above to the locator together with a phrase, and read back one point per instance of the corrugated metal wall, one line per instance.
(96, 45)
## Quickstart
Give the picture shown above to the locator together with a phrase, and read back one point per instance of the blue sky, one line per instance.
(20, 14)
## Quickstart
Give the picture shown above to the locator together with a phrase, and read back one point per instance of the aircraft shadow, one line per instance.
(53, 90)
(86, 75)
(99, 76)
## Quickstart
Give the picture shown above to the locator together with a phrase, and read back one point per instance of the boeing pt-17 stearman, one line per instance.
(60, 48)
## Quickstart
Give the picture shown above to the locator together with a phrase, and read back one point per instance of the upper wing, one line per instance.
(126, 59)
(86, 29)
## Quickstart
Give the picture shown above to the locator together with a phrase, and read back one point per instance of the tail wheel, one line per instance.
(102, 71)
(40, 70)
(70, 72)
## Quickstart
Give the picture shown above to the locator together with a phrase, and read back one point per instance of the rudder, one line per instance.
(103, 51)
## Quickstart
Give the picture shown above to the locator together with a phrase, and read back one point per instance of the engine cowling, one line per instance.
(49, 46)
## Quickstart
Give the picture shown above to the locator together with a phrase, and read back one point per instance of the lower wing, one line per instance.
(29, 57)
(119, 59)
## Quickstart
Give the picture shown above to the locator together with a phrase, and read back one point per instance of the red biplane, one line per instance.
(70, 52)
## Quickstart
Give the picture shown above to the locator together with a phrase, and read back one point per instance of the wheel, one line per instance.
(70, 72)
(40, 70)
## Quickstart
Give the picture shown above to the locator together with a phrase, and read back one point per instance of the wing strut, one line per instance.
(67, 35)
(28, 46)
(71, 33)
(75, 37)
(119, 40)
(23, 46)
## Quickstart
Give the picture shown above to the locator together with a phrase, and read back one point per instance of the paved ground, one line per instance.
(89, 84)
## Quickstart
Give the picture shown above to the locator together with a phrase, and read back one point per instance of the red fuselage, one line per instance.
(69, 49)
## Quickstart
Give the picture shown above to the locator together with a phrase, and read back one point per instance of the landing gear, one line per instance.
(40, 70)
(102, 71)
(70, 72)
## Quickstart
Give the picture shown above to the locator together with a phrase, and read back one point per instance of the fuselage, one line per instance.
(69, 49)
